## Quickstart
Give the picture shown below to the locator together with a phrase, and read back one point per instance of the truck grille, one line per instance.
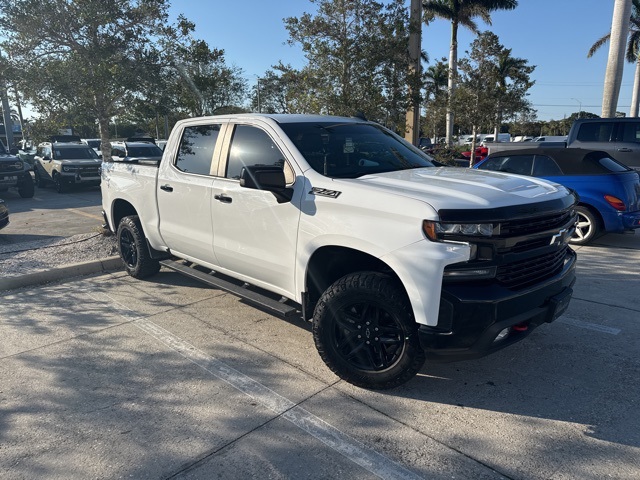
(532, 270)
(536, 224)
(10, 167)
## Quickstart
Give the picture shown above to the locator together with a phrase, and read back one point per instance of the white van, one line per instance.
(551, 138)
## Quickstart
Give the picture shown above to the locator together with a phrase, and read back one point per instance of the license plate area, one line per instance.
(558, 304)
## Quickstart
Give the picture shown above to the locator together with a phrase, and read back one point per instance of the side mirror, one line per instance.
(14, 150)
(269, 178)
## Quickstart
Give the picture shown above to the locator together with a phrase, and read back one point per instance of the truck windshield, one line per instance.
(62, 153)
(2, 149)
(147, 151)
(350, 150)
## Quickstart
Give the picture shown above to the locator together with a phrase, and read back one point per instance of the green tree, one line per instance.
(357, 56)
(283, 89)
(94, 55)
(205, 83)
(461, 13)
(632, 52)
(493, 85)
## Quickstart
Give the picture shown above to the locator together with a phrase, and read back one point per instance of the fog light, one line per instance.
(502, 335)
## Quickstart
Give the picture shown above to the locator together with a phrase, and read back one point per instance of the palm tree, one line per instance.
(461, 12)
(632, 54)
(509, 67)
(615, 63)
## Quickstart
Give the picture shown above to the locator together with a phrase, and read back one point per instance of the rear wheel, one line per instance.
(587, 228)
(133, 249)
(364, 331)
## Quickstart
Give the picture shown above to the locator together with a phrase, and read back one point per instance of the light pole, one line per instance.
(579, 107)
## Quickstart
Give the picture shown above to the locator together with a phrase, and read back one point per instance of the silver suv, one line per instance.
(66, 164)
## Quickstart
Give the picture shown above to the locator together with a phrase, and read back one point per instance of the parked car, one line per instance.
(481, 154)
(65, 164)
(144, 152)
(609, 190)
(14, 172)
(94, 143)
(4, 214)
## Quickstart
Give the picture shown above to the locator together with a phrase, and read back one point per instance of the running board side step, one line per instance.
(257, 299)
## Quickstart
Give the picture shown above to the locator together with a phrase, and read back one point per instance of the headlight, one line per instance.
(437, 231)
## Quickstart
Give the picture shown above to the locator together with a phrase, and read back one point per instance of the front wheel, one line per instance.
(62, 186)
(364, 331)
(587, 228)
(26, 189)
(40, 182)
(133, 249)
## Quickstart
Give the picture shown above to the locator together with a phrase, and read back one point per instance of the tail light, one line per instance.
(615, 202)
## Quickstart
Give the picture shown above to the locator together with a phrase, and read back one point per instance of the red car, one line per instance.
(481, 154)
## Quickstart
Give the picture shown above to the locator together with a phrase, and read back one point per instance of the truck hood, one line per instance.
(449, 187)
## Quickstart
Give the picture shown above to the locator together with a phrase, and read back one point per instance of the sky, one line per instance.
(553, 35)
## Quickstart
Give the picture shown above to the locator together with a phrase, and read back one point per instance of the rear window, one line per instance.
(594, 163)
(612, 165)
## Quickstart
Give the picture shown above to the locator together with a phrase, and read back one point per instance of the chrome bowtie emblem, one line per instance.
(560, 237)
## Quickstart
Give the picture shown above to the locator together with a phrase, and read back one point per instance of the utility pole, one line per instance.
(412, 130)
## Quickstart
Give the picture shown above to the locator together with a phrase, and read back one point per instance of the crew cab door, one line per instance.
(254, 235)
(184, 193)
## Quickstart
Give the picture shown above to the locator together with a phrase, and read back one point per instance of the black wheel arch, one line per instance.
(330, 263)
(122, 208)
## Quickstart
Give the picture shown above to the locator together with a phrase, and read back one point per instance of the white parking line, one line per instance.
(357, 452)
(589, 326)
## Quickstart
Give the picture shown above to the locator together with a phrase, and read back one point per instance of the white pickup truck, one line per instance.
(340, 221)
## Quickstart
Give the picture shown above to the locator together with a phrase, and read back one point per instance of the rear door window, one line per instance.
(197, 145)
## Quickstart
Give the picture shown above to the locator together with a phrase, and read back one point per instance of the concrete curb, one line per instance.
(65, 271)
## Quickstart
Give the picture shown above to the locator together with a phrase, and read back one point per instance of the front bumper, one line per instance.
(471, 317)
(74, 177)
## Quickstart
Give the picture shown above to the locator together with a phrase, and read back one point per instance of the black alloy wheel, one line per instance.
(133, 249)
(365, 333)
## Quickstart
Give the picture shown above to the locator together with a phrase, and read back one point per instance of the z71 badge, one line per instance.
(324, 192)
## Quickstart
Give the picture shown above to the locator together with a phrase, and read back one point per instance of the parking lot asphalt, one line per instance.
(104, 376)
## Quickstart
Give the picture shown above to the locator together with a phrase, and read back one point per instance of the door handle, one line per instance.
(223, 198)
(166, 188)
(624, 150)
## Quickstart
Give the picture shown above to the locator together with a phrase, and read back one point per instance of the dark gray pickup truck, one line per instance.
(618, 137)
(15, 173)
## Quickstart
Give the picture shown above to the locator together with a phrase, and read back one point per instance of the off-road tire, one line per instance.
(132, 247)
(61, 185)
(365, 333)
(26, 188)
(588, 227)
(40, 182)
